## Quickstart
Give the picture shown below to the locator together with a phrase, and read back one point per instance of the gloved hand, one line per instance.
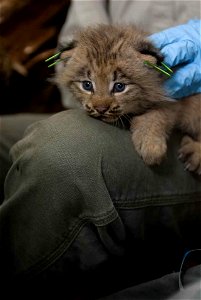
(181, 47)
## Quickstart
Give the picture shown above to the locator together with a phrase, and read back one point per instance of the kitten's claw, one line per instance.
(180, 156)
(187, 167)
(190, 154)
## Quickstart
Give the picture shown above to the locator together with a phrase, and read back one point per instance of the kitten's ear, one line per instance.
(149, 52)
(67, 49)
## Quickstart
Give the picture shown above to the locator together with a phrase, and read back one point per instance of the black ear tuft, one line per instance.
(67, 46)
(146, 48)
(66, 50)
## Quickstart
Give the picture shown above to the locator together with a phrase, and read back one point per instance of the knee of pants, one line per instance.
(59, 148)
(54, 187)
(60, 159)
(12, 128)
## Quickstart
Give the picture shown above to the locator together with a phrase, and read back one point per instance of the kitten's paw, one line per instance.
(190, 154)
(152, 149)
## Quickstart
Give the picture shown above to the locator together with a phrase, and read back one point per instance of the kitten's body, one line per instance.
(101, 61)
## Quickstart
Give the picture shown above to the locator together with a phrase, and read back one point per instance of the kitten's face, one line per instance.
(106, 91)
(107, 75)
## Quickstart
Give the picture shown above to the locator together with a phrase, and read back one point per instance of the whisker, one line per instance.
(129, 118)
(116, 123)
(122, 122)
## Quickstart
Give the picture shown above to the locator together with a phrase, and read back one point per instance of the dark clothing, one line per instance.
(83, 214)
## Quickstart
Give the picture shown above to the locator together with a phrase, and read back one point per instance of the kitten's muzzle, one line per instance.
(101, 109)
(105, 112)
(107, 108)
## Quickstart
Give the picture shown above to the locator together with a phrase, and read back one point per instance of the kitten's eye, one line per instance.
(87, 86)
(119, 87)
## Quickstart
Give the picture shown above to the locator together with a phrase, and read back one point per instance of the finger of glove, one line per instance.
(196, 24)
(166, 37)
(179, 53)
(186, 81)
(174, 34)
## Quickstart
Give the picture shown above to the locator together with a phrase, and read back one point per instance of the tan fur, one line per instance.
(105, 55)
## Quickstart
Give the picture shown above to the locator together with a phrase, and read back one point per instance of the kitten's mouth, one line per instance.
(109, 119)
(104, 118)
(123, 120)
(120, 119)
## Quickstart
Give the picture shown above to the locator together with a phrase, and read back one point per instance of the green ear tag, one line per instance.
(52, 57)
(168, 72)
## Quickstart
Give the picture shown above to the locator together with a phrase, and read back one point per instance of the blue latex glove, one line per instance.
(181, 47)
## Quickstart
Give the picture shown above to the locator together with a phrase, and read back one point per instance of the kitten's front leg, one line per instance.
(190, 123)
(190, 154)
(149, 134)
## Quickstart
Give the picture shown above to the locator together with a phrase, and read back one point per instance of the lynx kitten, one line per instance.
(104, 69)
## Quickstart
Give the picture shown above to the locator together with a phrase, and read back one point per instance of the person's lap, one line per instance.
(12, 128)
(80, 198)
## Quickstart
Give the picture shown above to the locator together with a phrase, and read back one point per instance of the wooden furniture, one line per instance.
(28, 35)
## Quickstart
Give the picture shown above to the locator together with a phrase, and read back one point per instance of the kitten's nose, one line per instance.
(101, 108)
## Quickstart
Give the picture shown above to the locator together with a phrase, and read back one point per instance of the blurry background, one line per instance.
(28, 35)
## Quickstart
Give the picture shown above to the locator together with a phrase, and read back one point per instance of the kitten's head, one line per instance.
(104, 69)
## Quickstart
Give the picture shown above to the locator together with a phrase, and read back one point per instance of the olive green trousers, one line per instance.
(82, 211)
